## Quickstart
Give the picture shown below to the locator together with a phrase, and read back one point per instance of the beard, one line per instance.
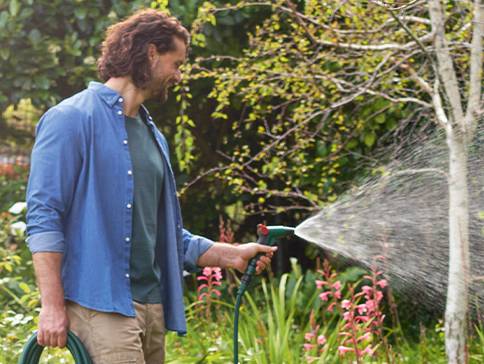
(163, 95)
(159, 90)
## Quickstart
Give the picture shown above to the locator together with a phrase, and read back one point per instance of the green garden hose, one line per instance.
(267, 235)
(32, 350)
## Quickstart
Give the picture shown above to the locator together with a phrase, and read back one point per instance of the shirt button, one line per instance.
(125, 141)
(127, 239)
(120, 99)
(128, 206)
(120, 112)
(127, 275)
(130, 172)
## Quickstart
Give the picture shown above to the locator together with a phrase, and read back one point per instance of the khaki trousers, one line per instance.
(111, 338)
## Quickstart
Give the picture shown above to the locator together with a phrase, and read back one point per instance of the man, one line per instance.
(103, 220)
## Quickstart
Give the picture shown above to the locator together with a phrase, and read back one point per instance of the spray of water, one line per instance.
(401, 214)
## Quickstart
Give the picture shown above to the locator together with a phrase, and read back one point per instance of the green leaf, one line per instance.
(370, 139)
(380, 119)
(353, 143)
(4, 53)
(24, 287)
(14, 7)
(391, 124)
(34, 36)
(3, 19)
(80, 13)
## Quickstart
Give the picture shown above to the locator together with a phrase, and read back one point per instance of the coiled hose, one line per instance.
(32, 350)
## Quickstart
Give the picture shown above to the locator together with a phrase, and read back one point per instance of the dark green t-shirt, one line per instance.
(148, 182)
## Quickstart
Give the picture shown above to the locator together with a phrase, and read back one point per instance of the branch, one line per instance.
(364, 89)
(439, 109)
(298, 17)
(379, 47)
(284, 135)
(268, 192)
(445, 66)
(475, 79)
(418, 80)
(200, 176)
(403, 7)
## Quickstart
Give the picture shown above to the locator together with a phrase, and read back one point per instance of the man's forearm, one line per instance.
(48, 273)
(236, 256)
(219, 255)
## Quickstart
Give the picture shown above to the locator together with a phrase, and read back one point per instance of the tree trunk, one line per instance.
(459, 259)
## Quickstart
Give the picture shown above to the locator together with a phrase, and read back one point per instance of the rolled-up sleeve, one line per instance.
(55, 164)
(195, 246)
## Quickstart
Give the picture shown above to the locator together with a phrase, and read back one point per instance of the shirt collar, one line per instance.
(107, 94)
(111, 97)
(146, 115)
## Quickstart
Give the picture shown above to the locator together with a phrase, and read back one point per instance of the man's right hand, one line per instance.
(53, 326)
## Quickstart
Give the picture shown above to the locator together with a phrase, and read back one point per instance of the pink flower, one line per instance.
(379, 296)
(217, 293)
(337, 285)
(331, 307)
(337, 295)
(207, 271)
(321, 339)
(320, 284)
(346, 304)
(202, 286)
(344, 349)
(362, 318)
(308, 347)
(217, 274)
(369, 350)
(212, 277)
(364, 337)
(348, 315)
(382, 283)
(367, 290)
(325, 296)
(361, 308)
(370, 305)
(309, 336)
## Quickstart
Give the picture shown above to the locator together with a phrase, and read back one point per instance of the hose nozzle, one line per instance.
(268, 234)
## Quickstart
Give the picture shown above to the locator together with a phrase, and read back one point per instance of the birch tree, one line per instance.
(306, 71)
(460, 125)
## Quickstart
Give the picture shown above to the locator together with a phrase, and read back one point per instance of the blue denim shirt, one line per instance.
(79, 203)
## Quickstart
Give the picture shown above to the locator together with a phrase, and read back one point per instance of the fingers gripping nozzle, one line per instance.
(266, 235)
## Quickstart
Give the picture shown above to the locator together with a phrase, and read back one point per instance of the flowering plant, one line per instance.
(314, 341)
(211, 277)
(361, 315)
(210, 288)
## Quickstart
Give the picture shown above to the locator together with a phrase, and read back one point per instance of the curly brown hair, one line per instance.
(125, 48)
